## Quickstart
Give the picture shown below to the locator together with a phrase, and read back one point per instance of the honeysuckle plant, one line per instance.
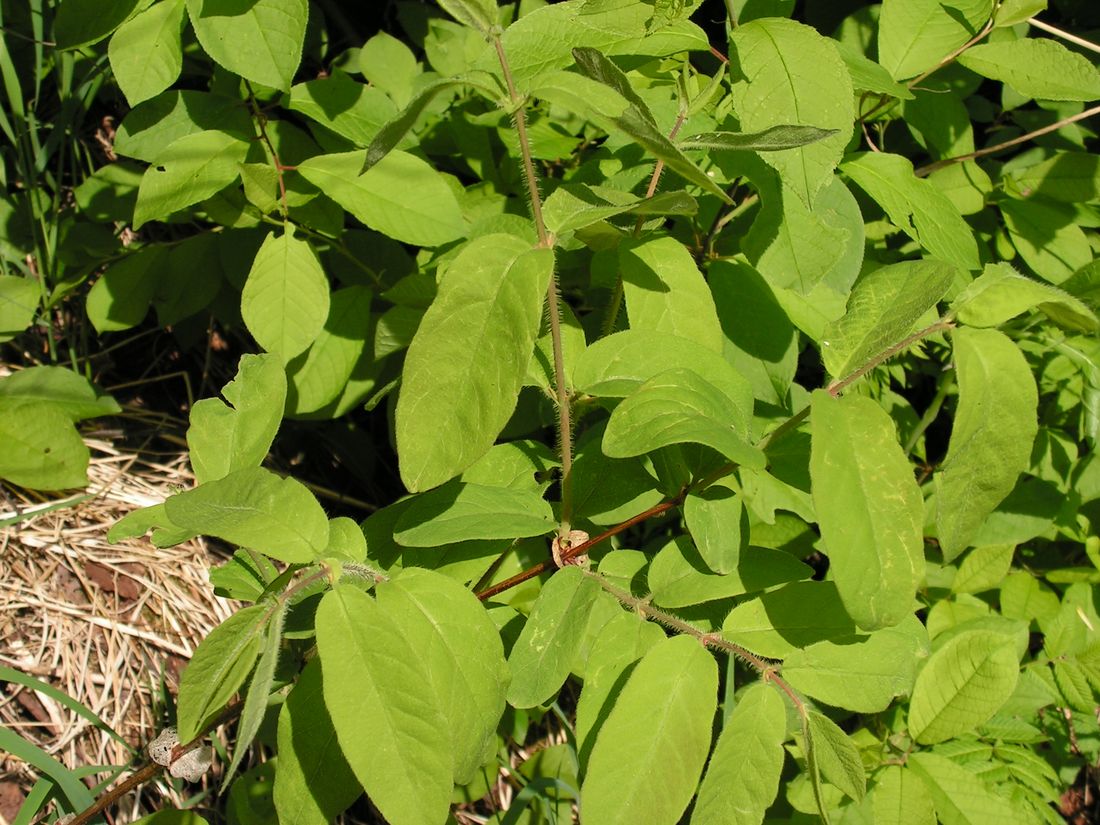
(744, 392)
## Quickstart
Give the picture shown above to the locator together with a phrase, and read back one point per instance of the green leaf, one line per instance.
(882, 310)
(650, 752)
(313, 782)
(171, 817)
(575, 206)
(773, 139)
(960, 796)
(224, 437)
(678, 406)
(317, 380)
(156, 123)
(384, 707)
(259, 690)
(915, 206)
(900, 797)
(794, 616)
(39, 447)
(120, 298)
(469, 357)
(1000, 293)
(666, 292)
(348, 107)
(915, 35)
(388, 64)
(219, 667)
(984, 568)
(463, 654)
(18, 305)
(255, 508)
(61, 388)
(459, 511)
(743, 774)
(784, 73)
(145, 53)
(678, 577)
(401, 196)
(1071, 177)
(285, 300)
(718, 523)
(542, 655)
(861, 674)
(869, 508)
(962, 685)
(188, 170)
(1047, 236)
(835, 755)
(1036, 67)
(995, 425)
(83, 22)
(477, 14)
(260, 40)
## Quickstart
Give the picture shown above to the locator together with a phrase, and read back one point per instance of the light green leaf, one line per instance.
(188, 170)
(1011, 12)
(463, 655)
(869, 76)
(995, 425)
(784, 73)
(575, 206)
(861, 674)
(313, 782)
(678, 577)
(914, 35)
(346, 106)
(773, 139)
(469, 357)
(1071, 177)
(835, 755)
(388, 64)
(83, 22)
(61, 388)
(224, 437)
(401, 196)
(40, 448)
(869, 508)
(1000, 293)
(900, 797)
(261, 40)
(218, 668)
(915, 206)
(255, 508)
(345, 540)
(285, 300)
(145, 52)
(678, 406)
(1036, 67)
(120, 298)
(962, 685)
(1047, 236)
(794, 616)
(385, 709)
(542, 655)
(317, 380)
(718, 523)
(18, 305)
(882, 310)
(477, 14)
(650, 752)
(666, 292)
(156, 123)
(743, 774)
(461, 511)
(984, 568)
(962, 797)
(259, 690)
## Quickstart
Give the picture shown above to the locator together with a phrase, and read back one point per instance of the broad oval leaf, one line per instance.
(120, 298)
(285, 300)
(995, 425)
(260, 40)
(83, 22)
(61, 388)
(882, 310)
(678, 406)
(401, 195)
(962, 685)
(257, 509)
(785, 73)
(1036, 67)
(41, 449)
(869, 508)
(1000, 293)
(962, 797)
(469, 357)
(543, 653)
(914, 35)
(236, 434)
(385, 709)
(743, 774)
(834, 754)
(650, 752)
(18, 304)
(900, 797)
(461, 649)
(793, 616)
(718, 523)
(145, 53)
(219, 667)
(459, 511)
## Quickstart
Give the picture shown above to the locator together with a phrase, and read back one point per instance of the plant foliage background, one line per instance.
(726, 378)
